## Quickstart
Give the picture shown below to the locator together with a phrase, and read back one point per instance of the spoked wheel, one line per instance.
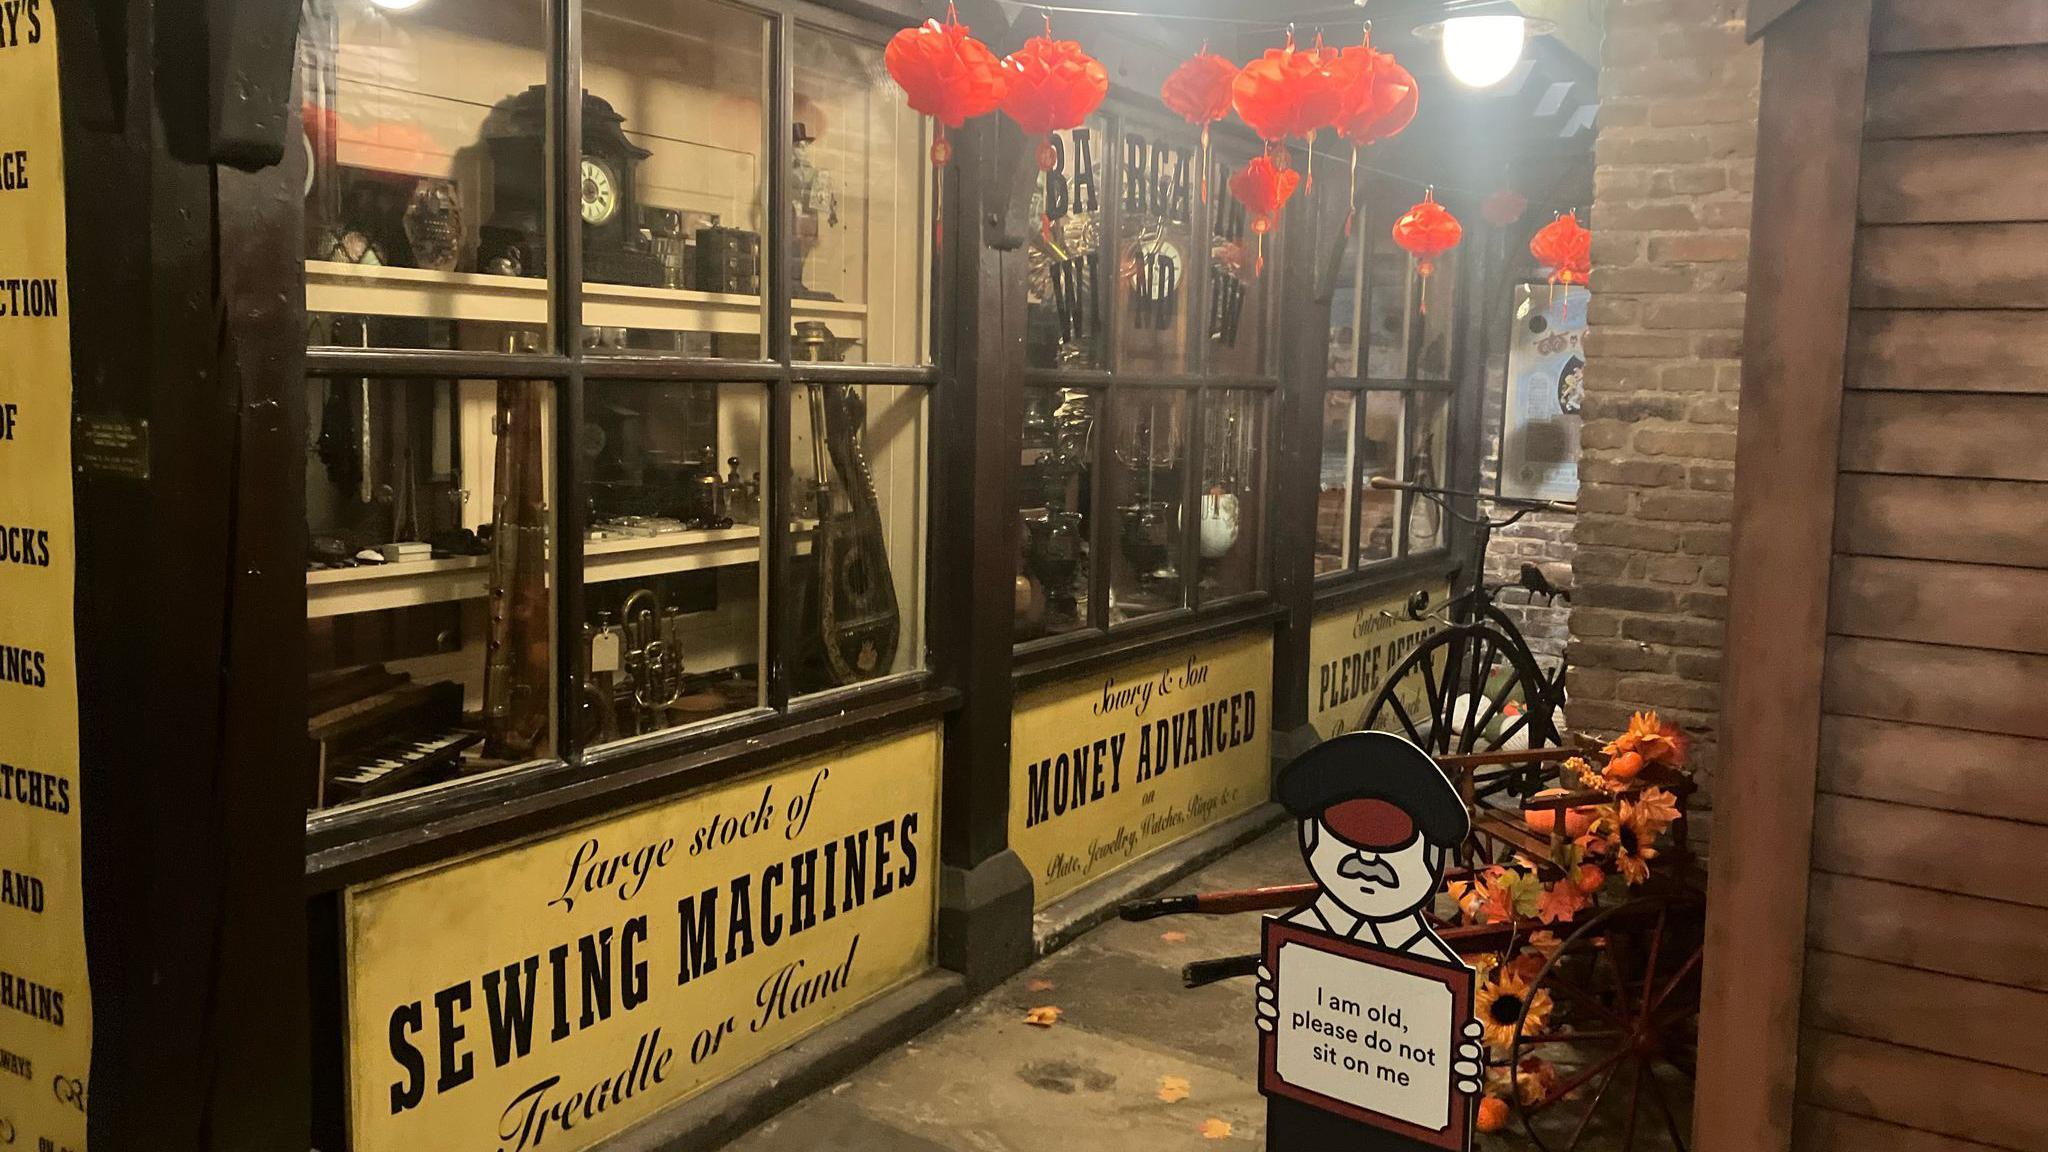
(1471, 687)
(1623, 993)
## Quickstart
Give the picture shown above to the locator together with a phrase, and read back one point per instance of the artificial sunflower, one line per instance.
(1504, 1000)
(1631, 842)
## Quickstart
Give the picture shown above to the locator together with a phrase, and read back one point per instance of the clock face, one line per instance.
(600, 192)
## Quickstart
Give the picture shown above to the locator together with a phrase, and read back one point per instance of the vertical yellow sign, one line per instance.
(45, 1010)
(1353, 651)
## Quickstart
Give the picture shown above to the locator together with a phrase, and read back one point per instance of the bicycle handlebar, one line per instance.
(1389, 484)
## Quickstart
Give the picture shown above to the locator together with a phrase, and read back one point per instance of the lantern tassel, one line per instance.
(1205, 155)
(1352, 200)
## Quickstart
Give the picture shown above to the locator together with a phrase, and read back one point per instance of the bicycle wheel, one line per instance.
(1472, 687)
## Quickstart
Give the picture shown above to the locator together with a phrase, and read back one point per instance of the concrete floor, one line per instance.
(986, 1081)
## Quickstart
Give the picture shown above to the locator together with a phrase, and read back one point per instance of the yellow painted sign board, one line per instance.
(45, 999)
(1353, 650)
(552, 994)
(1109, 769)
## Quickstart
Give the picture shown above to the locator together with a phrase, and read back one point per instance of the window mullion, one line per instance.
(565, 268)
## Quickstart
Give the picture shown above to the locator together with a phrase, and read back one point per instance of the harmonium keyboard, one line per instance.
(376, 732)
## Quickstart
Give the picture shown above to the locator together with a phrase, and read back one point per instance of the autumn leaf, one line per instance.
(1174, 937)
(1560, 902)
(1045, 1016)
(1214, 1129)
(1173, 1089)
(1038, 985)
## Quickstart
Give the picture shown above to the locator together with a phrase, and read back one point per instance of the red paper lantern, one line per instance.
(1379, 96)
(1199, 91)
(1290, 92)
(945, 74)
(1504, 207)
(1263, 188)
(1566, 248)
(1425, 232)
(1053, 86)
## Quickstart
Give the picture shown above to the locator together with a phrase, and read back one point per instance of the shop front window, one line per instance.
(855, 607)
(1145, 414)
(1066, 328)
(430, 599)
(1156, 255)
(1056, 498)
(1387, 406)
(1145, 495)
(426, 220)
(620, 495)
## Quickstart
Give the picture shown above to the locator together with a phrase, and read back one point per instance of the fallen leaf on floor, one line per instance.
(1038, 985)
(1173, 1089)
(1173, 937)
(1044, 1017)
(1214, 1129)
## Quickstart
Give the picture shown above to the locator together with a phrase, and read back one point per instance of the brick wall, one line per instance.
(1673, 165)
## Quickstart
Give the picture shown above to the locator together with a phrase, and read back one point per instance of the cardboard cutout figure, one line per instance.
(1368, 1038)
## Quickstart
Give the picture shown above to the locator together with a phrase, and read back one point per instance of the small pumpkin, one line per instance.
(1493, 1114)
(1577, 821)
(1625, 766)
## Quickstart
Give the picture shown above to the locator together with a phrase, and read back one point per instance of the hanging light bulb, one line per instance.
(1481, 50)
(1482, 39)
(395, 5)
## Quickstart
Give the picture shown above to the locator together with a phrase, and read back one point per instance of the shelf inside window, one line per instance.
(377, 587)
(376, 290)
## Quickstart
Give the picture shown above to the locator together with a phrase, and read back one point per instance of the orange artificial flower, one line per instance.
(1655, 741)
(1658, 810)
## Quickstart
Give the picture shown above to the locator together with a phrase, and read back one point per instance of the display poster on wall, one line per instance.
(1112, 767)
(548, 995)
(1546, 386)
(1353, 650)
(45, 1000)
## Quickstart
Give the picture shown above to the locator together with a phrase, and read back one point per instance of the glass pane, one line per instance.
(674, 177)
(858, 456)
(1333, 504)
(1053, 500)
(1379, 454)
(859, 203)
(1156, 245)
(1238, 319)
(1411, 315)
(1389, 278)
(1429, 430)
(429, 606)
(1347, 294)
(422, 154)
(1064, 314)
(672, 556)
(1145, 489)
(1232, 492)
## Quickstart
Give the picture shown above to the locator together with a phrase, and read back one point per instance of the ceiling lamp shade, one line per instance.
(1483, 39)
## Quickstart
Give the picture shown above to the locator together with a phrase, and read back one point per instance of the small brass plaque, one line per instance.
(112, 445)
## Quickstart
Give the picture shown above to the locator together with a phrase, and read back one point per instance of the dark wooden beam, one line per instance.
(1795, 341)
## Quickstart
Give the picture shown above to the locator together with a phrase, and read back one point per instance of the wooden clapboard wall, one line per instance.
(1924, 1014)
